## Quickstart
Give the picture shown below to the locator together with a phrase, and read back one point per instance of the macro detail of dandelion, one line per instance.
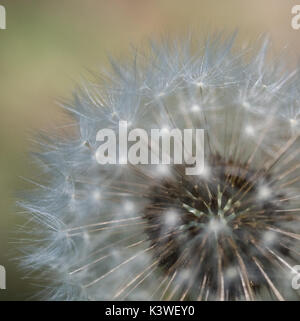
(124, 231)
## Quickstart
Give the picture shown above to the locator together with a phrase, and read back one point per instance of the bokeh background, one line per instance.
(49, 45)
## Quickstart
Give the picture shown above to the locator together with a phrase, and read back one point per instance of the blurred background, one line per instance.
(49, 45)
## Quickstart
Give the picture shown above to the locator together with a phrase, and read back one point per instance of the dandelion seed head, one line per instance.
(141, 231)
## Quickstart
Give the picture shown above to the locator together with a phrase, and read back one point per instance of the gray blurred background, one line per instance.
(47, 47)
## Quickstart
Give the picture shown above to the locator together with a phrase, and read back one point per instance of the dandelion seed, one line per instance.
(294, 122)
(97, 195)
(171, 218)
(249, 130)
(264, 192)
(195, 108)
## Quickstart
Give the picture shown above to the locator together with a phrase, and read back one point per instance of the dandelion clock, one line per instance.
(105, 227)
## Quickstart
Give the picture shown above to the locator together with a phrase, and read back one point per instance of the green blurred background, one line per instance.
(49, 44)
